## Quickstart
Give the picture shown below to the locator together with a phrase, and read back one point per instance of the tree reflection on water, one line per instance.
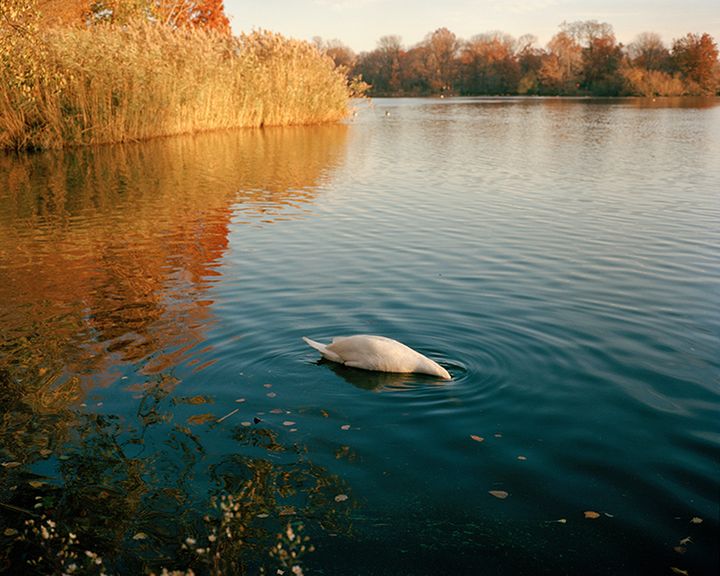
(107, 257)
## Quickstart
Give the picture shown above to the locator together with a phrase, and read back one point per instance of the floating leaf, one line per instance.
(36, 483)
(562, 521)
(10, 464)
(324, 413)
(288, 423)
(477, 438)
(45, 452)
(679, 571)
(498, 435)
(345, 427)
(201, 418)
(271, 394)
(10, 532)
(696, 520)
(591, 514)
(276, 411)
(263, 515)
(522, 458)
(341, 498)
(287, 510)
(246, 424)
(499, 494)
(680, 549)
(685, 541)
(609, 515)
(240, 400)
(140, 536)
(267, 385)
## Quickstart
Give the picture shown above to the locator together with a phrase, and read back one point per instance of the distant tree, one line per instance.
(561, 68)
(442, 48)
(529, 59)
(648, 52)
(601, 64)
(488, 65)
(381, 67)
(341, 54)
(695, 57)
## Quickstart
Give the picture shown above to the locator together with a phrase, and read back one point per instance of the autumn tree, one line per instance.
(696, 58)
(442, 47)
(488, 65)
(529, 59)
(648, 52)
(561, 69)
(381, 67)
(341, 54)
(601, 63)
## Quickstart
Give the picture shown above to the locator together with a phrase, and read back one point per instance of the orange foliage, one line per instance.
(208, 14)
(64, 12)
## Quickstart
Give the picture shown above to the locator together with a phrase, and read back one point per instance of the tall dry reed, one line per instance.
(116, 84)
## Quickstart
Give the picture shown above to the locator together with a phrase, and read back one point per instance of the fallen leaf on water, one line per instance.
(499, 494)
(240, 400)
(680, 549)
(522, 457)
(36, 483)
(341, 498)
(591, 514)
(45, 452)
(562, 521)
(271, 394)
(263, 515)
(140, 536)
(324, 413)
(685, 541)
(696, 520)
(267, 385)
(276, 411)
(477, 438)
(10, 464)
(288, 423)
(10, 532)
(246, 424)
(679, 571)
(609, 515)
(345, 427)
(201, 418)
(498, 435)
(286, 510)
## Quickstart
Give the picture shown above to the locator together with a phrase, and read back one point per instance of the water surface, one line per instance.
(558, 257)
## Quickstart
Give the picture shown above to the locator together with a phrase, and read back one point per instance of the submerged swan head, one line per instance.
(379, 354)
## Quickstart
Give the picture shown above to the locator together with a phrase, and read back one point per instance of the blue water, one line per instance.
(558, 257)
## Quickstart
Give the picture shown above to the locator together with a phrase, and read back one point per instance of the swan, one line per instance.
(377, 353)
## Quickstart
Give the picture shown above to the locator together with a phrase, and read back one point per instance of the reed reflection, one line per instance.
(107, 254)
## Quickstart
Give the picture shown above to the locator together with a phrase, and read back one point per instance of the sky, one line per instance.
(360, 23)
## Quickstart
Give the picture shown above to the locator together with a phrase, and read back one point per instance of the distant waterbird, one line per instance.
(378, 354)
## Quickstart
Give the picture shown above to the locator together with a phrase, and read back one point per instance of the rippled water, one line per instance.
(558, 257)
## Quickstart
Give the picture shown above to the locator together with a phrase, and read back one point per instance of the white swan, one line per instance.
(377, 353)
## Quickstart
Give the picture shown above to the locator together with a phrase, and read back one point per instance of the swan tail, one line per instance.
(322, 348)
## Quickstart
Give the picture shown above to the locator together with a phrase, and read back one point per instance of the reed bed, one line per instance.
(69, 87)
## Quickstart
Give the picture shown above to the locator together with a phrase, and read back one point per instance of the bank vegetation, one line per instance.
(99, 73)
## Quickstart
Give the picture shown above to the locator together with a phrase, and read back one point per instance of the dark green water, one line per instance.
(559, 258)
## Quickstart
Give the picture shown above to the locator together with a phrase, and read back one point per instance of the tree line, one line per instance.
(583, 58)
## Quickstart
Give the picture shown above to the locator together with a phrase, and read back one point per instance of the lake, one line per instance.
(559, 257)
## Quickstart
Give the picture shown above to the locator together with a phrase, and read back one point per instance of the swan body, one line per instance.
(377, 353)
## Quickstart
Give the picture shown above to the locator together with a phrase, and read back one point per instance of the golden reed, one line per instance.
(102, 84)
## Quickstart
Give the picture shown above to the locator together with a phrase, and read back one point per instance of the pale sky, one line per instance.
(360, 23)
